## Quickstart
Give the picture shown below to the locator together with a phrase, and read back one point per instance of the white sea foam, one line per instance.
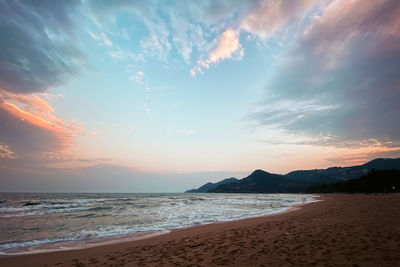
(72, 220)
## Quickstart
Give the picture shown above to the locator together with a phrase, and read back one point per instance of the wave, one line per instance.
(70, 242)
(74, 218)
(30, 208)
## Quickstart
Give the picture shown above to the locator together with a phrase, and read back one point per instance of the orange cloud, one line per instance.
(31, 103)
(35, 105)
(228, 44)
(63, 136)
(31, 128)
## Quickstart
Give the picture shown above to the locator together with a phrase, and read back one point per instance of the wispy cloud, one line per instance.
(138, 77)
(156, 46)
(182, 131)
(6, 153)
(269, 17)
(209, 30)
(228, 45)
(102, 38)
(346, 63)
(263, 19)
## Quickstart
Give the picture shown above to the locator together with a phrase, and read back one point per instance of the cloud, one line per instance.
(156, 46)
(228, 45)
(30, 127)
(263, 18)
(182, 131)
(6, 153)
(101, 38)
(31, 102)
(182, 26)
(28, 134)
(37, 45)
(138, 78)
(187, 37)
(197, 27)
(346, 65)
(193, 22)
(38, 52)
(269, 17)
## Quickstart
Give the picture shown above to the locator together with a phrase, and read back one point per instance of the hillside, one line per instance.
(260, 182)
(336, 174)
(297, 181)
(386, 181)
(209, 186)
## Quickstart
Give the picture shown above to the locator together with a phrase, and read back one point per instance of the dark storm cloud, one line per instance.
(37, 48)
(342, 79)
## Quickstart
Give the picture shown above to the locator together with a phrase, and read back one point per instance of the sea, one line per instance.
(41, 222)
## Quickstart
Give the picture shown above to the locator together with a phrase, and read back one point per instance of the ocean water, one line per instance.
(32, 223)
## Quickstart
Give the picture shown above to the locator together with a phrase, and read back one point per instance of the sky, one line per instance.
(163, 96)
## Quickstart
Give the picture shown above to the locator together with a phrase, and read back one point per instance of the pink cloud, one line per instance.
(345, 23)
(269, 17)
(228, 45)
(264, 19)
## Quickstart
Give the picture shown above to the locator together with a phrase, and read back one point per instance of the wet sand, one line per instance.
(341, 230)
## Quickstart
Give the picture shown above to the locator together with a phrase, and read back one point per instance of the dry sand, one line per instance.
(341, 230)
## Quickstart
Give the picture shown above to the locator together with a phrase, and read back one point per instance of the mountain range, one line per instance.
(384, 181)
(261, 181)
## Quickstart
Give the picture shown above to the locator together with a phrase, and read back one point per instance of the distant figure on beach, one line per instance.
(303, 200)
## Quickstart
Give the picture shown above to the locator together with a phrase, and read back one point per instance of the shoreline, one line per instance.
(63, 246)
(341, 230)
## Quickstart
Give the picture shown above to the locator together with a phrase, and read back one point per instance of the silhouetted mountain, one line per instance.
(314, 176)
(297, 181)
(259, 182)
(208, 186)
(387, 181)
(383, 164)
(336, 174)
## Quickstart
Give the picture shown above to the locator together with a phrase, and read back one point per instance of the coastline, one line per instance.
(342, 229)
(94, 239)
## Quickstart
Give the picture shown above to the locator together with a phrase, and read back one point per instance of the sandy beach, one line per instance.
(350, 230)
